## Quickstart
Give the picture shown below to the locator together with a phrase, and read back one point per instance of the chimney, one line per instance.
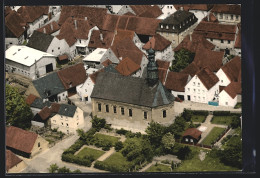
(44, 30)
(101, 36)
(75, 23)
(181, 8)
(208, 17)
(190, 37)
(86, 18)
(51, 27)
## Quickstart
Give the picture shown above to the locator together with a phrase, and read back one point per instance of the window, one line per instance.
(58, 47)
(130, 113)
(161, 26)
(39, 144)
(99, 107)
(52, 50)
(194, 97)
(122, 111)
(194, 90)
(77, 123)
(167, 27)
(54, 121)
(145, 115)
(114, 107)
(67, 125)
(198, 97)
(107, 108)
(79, 41)
(188, 89)
(198, 91)
(198, 84)
(62, 123)
(222, 41)
(221, 16)
(226, 103)
(221, 81)
(164, 113)
(226, 17)
(173, 27)
(211, 39)
(228, 41)
(167, 7)
(193, 83)
(237, 17)
(231, 17)
(61, 117)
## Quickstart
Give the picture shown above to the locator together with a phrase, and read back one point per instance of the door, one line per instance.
(189, 97)
(49, 68)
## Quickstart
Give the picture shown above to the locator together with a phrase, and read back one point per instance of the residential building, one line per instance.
(100, 39)
(191, 135)
(29, 62)
(136, 100)
(162, 47)
(176, 26)
(36, 103)
(51, 28)
(24, 143)
(84, 90)
(227, 13)
(13, 164)
(231, 94)
(68, 119)
(203, 87)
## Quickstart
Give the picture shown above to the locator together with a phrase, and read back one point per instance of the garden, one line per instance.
(213, 136)
(226, 118)
(90, 152)
(159, 168)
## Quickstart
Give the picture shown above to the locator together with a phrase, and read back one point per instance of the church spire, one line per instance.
(152, 69)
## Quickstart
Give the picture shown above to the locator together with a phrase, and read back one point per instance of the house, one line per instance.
(29, 62)
(68, 119)
(199, 10)
(153, 12)
(191, 135)
(176, 26)
(227, 13)
(167, 10)
(24, 143)
(231, 94)
(191, 69)
(136, 100)
(237, 46)
(221, 35)
(203, 87)
(15, 29)
(128, 67)
(13, 164)
(161, 46)
(176, 82)
(100, 39)
(43, 117)
(34, 16)
(47, 43)
(51, 28)
(71, 79)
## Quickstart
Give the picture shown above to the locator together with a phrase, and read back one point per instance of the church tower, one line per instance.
(152, 68)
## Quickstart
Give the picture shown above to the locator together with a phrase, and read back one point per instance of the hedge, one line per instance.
(108, 167)
(200, 112)
(221, 113)
(76, 159)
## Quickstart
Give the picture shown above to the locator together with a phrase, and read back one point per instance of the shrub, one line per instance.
(121, 131)
(118, 146)
(221, 113)
(108, 127)
(98, 123)
(184, 153)
(200, 112)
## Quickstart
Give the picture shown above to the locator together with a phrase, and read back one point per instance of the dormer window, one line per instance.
(180, 26)
(161, 26)
(173, 27)
(167, 27)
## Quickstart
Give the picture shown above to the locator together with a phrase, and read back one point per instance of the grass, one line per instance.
(223, 120)
(90, 152)
(198, 118)
(159, 168)
(213, 135)
(117, 159)
(111, 139)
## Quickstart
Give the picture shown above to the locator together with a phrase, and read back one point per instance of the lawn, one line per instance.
(198, 118)
(213, 135)
(110, 139)
(159, 168)
(224, 120)
(90, 152)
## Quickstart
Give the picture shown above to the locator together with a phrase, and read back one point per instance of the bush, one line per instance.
(118, 146)
(221, 113)
(121, 131)
(98, 123)
(108, 127)
(109, 167)
(200, 112)
(235, 122)
(184, 153)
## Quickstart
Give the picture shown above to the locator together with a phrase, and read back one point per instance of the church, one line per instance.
(132, 98)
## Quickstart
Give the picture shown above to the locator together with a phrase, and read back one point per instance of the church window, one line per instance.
(107, 108)
(145, 115)
(122, 111)
(130, 113)
(164, 113)
(99, 107)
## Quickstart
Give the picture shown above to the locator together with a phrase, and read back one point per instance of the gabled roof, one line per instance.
(227, 9)
(210, 18)
(106, 63)
(49, 28)
(11, 160)
(139, 9)
(15, 23)
(63, 57)
(7, 10)
(132, 90)
(93, 76)
(30, 99)
(232, 69)
(158, 43)
(129, 13)
(162, 74)
(176, 81)
(31, 13)
(191, 69)
(152, 12)
(55, 107)
(193, 132)
(208, 58)
(192, 43)
(162, 64)
(40, 41)
(38, 103)
(122, 34)
(70, 78)
(67, 110)
(127, 67)
(45, 113)
(216, 30)
(49, 85)
(20, 139)
(187, 7)
(100, 39)
(238, 39)
(233, 89)
(207, 77)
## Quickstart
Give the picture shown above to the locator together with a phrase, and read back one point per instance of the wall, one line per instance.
(38, 124)
(224, 97)
(62, 96)
(222, 77)
(125, 9)
(37, 149)
(226, 18)
(38, 23)
(17, 168)
(58, 47)
(223, 45)
(19, 68)
(199, 14)
(237, 52)
(176, 93)
(165, 55)
(13, 41)
(40, 65)
(85, 90)
(109, 54)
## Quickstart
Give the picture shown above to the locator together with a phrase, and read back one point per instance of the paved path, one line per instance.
(147, 166)
(107, 154)
(219, 144)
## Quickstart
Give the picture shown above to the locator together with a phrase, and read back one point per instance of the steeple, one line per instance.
(152, 69)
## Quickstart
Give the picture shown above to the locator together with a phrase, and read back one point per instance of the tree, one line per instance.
(118, 146)
(64, 170)
(18, 112)
(98, 123)
(187, 114)
(168, 141)
(183, 58)
(177, 127)
(184, 153)
(53, 168)
(235, 123)
(155, 132)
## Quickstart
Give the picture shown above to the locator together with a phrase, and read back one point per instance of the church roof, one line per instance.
(132, 90)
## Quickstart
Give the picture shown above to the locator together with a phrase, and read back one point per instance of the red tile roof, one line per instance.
(207, 58)
(176, 81)
(232, 69)
(193, 132)
(7, 10)
(32, 13)
(139, 9)
(227, 9)
(20, 139)
(15, 23)
(50, 28)
(129, 13)
(122, 34)
(233, 89)
(192, 43)
(238, 39)
(45, 113)
(210, 18)
(191, 69)
(94, 76)
(140, 25)
(30, 99)
(162, 64)
(158, 43)
(152, 12)
(63, 57)
(187, 7)
(94, 14)
(97, 42)
(73, 29)
(106, 63)
(162, 74)
(127, 67)
(216, 30)
(68, 76)
(207, 77)
(11, 160)
(55, 107)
